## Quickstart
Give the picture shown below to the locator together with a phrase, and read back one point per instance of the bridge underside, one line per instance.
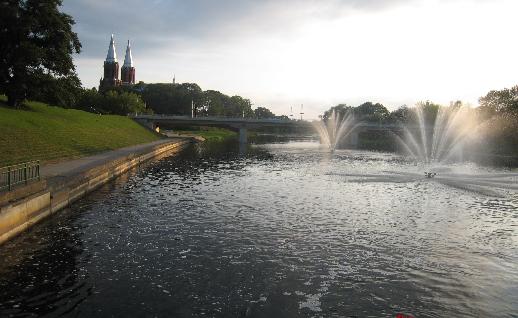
(241, 129)
(242, 125)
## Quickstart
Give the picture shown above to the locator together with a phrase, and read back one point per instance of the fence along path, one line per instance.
(23, 173)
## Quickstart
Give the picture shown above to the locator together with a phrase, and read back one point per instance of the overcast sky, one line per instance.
(282, 53)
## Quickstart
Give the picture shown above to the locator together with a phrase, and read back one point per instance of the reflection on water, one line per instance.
(275, 230)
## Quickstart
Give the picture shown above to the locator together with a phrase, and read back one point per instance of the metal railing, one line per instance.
(22, 173)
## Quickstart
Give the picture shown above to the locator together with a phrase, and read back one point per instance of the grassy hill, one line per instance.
(47, 133)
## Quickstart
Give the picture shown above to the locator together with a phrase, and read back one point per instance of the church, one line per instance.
(111, 69)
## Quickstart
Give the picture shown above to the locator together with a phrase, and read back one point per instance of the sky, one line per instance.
(282, 54)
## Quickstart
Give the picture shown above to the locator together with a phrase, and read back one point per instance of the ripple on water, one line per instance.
(285, 230)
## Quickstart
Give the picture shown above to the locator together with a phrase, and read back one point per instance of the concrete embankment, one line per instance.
(64, 183)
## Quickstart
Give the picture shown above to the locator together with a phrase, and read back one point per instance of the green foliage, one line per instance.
(340, 109)
(400, 115)
(63, 92)
(172, 98)
(372, 112)
(429, 110)
(376, 140)
(45, 133)
(118, 102)
(216, 103)
(262, 112)
(368, 112)
(36, 49)
(499, 110)
(240, 106)
(177, 99)
(503, 102)
(122, 103)
(209, 133)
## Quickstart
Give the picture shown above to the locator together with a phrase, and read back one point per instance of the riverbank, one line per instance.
(42, 132)
(207, 133)
(65, 182)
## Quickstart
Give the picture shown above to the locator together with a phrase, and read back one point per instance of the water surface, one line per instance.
(275, 230)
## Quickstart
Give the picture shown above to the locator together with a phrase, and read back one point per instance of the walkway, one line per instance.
(58, 172)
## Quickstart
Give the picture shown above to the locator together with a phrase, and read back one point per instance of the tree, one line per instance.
(340, 109)
(371, 112)
(504, 102)
(123, 103)
(499, 109)
(263, 112)
(36, 48)
(401, 115)
(215, 102)
(63, 92)
(117, 102)
(366, 112)
(171, 99)
(429, 111)
(90, 101)
(239, 107)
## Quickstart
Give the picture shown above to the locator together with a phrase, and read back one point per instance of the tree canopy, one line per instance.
(117, 102)
(178, 99)
(368, 111)
(501, 102)
(372, 112)
(37, 43)
(263, 112)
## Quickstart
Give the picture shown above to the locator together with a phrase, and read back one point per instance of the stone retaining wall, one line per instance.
(46, 198)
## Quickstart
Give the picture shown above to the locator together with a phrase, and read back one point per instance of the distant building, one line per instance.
(111, 69)
(128, 71)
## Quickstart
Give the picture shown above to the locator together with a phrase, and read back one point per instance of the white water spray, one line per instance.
(335, 129)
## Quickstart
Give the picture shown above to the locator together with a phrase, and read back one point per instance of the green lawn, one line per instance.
(47, 133)
(209, 133)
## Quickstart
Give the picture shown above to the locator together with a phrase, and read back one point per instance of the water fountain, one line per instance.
(435, 142)
(439, 139)
(333, 131)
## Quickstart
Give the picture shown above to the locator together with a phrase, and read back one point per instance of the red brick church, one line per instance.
(111, 69)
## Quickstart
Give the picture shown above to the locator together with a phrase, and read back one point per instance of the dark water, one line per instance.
(273, 231)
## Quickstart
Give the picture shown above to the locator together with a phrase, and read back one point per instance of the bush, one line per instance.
(111, 102)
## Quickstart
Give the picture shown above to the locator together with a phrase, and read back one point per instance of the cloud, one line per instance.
(288, 52)
(158, 23)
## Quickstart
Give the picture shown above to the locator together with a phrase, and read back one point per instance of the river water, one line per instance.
(275, 230)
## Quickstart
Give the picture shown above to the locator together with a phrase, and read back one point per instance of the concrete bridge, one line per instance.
(237, 124)
(243, 124)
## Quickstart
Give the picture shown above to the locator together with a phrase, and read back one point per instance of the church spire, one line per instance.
(112, 55)
(127, 70)
(128, 59)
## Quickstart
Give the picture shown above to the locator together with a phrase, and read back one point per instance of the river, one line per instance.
(275, 230)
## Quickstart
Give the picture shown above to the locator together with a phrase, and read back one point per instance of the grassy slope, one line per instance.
(209, 133)
(42, 132)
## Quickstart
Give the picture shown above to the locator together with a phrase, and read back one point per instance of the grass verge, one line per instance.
(47, 133)
(209, 133)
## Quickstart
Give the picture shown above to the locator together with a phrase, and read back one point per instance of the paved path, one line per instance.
(74, 167)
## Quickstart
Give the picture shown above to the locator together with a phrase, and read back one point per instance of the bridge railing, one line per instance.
(14, 175)
(211, 118)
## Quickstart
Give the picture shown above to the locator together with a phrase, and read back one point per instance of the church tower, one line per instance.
(128, 71)
(111, 69)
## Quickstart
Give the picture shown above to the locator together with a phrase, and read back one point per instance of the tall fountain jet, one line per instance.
(335, 129)
(439, 139)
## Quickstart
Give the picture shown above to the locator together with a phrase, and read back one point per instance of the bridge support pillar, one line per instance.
(149, 124)
(242, 135)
